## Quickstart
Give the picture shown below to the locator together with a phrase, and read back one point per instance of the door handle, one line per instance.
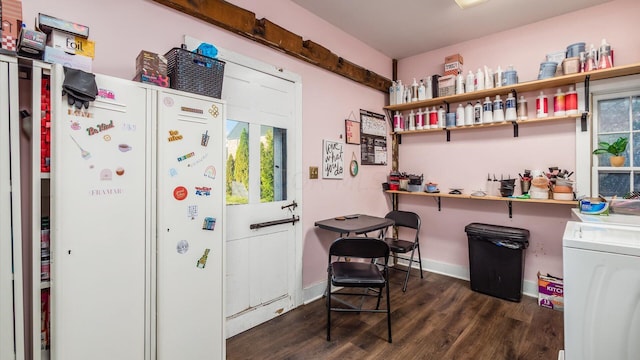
(293, 219)
(292, 206)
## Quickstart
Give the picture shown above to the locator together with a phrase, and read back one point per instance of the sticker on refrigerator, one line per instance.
(203, 191)
(124, 147)
(84, 153)
(210, 172)
(174, 135)
(205, 139)
(198, 160)
(180, 193)
(107, 138)
(173, 172)
(192, 212)
(100, 128)
(191, 110)
(209, 223)
(128, 127)
(182, 247)
(202, 262)
(119, 171)
(213, 111)
(80, 113)
(75, 125)
(168, 101)
(186, 156)
(106, 94)
(106, 174)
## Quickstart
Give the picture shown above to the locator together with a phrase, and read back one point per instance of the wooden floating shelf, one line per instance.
(490, 198)
(523, 87)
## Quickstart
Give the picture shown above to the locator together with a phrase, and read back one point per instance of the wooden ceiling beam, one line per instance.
(243, 22)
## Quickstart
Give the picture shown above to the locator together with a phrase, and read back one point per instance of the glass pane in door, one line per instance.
(273, 164)
(237, 166)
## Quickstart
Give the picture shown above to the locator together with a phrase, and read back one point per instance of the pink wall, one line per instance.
(466, 160)
(121, 28)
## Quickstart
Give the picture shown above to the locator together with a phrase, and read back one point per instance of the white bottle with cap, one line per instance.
(523, 112)
(488, 78)
(414, 90)
(479, 80)
(422, 91)
(397, 121)
(498, 110)
(412, 121)
(419, 119)
(460, 115)
(477, 113)
(487, 111)
(470, 84)
(441, 117)
(399, 93)
(498, 77)
(459, 84)
(468, 114)
(510, 112)
(429, 86)
(542, 106)
(392, 93)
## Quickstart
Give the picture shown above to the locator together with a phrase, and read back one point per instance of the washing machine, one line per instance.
(601, 291)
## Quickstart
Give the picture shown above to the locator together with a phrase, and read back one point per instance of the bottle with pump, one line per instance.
(460, 115)
(479, 80)
(459, 84)
(487, 111)
(542, 106)
(468, 114)
(559, 108)
(392, 93)
(441, 117)
(591, 59)
(571, 101)
(470, 85)
(412, 121)
(523, 112)
(477, 113)
(429, 88)
(419, 120)
(422, 91)
(414, 90)
(399, 93)
(498, 110)
(605, 61)
(407, 94)
(510, 112)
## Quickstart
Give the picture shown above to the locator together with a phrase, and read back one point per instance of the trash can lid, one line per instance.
(498, 232)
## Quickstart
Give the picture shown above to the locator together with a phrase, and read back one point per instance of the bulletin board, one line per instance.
(332, 160)
(373, 138)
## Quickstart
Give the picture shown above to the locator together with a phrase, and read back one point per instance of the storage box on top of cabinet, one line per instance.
(195, 73)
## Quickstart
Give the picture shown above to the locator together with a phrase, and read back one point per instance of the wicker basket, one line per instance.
(195, 73)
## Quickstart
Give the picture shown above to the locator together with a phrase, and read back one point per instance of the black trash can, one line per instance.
(496, 259)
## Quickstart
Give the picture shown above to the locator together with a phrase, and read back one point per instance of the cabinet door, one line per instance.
(190, 268)
(100, 221)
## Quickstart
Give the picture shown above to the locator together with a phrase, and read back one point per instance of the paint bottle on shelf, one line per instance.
(414, 90)
(399, 93)
(559, 103)
(470, 85)
(419, 119)
(468, 114)
(441, 117)
(605, 60)
(459, 84)
(477, 113)
(433, 118)
(542, 106)
(487, 111)
(571, 101)
(398, 122)
(498, 109)
(523, 112)
(422, 91)
(429, 88)
(479, 80)
(460, 115)
(392, 93)
(510, 112)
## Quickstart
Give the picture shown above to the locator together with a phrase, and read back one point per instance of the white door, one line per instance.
(264, 266)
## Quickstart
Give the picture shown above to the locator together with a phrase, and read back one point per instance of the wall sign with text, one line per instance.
(332, 160)
(373, 138)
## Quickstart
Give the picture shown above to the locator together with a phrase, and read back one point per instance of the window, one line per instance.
(273, 164)
(616, 115)
(237, 166)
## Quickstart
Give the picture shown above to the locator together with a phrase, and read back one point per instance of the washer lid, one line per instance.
(600, 237)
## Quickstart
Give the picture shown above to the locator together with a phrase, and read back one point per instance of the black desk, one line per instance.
(355, 224)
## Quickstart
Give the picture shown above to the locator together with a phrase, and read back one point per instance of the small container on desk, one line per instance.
(195, 73)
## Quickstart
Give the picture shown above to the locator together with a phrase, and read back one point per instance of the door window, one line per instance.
(273, 164)
(237, 166)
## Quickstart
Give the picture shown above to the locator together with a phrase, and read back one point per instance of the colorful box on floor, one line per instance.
(71, 44)
(550, 292)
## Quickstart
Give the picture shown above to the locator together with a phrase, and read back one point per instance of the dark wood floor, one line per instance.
(437, 318)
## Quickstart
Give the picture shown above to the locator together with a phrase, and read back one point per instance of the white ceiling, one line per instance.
(402, 28)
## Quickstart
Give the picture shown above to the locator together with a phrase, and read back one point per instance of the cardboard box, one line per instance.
(151, 64)
(11, 23)
(550, 292)
(158, 80)
(71, 44)
(453, 64)
(447, 85)
(58, 56)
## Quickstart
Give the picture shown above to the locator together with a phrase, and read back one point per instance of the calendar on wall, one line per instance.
(373, 138)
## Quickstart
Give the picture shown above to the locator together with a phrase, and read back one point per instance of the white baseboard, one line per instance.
(529, 288)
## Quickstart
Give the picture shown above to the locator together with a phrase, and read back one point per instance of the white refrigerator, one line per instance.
(137, 224)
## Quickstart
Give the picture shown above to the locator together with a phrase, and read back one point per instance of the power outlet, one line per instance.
(313, 172)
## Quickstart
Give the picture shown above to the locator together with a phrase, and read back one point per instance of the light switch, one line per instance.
(313, 172)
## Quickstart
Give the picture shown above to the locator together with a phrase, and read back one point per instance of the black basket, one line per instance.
(195, 73)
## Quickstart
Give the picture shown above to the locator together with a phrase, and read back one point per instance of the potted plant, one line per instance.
(616, 149)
